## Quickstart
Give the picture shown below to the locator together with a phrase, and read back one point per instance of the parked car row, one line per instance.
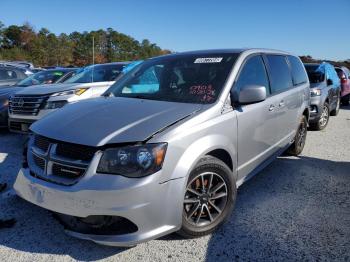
(43, 77)
(325, 94)
(10, 75)
(31, 104)
(344, 75)
(162, 145)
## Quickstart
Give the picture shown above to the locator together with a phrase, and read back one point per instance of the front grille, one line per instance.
(67, 171)
(73, 151)
(20, 126)
(42, 142)
(39, 162)
(97, 225)
(26, 104)
(16, 126)
(58, 162)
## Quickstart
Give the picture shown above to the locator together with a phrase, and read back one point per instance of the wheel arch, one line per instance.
(215, 145)
(306, 113)
(222, 155)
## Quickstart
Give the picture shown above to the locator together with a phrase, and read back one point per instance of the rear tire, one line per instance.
(209, 198)
(324, 119)
(300, 137)
(335, 111)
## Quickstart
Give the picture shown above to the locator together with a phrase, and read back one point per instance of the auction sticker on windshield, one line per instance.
(208, 60)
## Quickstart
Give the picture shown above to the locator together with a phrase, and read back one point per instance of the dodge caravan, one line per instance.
(167, 145)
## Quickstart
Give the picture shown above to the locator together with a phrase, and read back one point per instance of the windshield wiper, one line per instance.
(108, 94)
(136, 96)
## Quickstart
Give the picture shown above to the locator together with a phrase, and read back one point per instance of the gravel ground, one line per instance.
(295, 209)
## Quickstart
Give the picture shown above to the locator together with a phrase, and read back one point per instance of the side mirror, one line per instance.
(252, 94)
(329, 82)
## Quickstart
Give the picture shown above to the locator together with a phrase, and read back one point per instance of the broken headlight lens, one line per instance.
(133, 161)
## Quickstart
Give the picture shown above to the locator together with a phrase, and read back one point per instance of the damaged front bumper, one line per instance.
(154, 208)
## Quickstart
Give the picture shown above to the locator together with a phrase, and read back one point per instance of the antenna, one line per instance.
(93, 58)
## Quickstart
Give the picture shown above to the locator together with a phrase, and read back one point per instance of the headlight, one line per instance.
(77, 92)
(4, 103)
(315, 92)
(133, 161)
(55, 104)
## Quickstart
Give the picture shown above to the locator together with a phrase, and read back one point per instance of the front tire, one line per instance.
(209, 198)
(335, 111)
(300, 137)
(324, 119)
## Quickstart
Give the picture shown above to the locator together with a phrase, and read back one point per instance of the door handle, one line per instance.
(272, 107)
(281, 104)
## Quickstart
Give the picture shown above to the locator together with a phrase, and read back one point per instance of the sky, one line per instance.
(320, 28)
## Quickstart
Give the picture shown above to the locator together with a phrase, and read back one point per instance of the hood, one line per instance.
(318, 85)
(51, 88)
(7, 91)
(101, 121)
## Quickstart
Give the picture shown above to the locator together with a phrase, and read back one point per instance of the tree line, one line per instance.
(44, 48)
(309, 59)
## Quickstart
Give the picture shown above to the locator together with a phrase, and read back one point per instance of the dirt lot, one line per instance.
(296, 209)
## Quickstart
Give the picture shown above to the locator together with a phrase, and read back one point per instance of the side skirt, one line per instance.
(262, 165)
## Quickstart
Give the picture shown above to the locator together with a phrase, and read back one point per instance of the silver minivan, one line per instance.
(166, 147)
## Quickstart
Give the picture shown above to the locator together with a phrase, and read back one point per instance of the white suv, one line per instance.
(32, 103)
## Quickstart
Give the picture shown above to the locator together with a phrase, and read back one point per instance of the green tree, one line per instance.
(45, 48)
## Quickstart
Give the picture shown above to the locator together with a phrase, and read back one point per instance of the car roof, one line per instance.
(112, 63)
(60, 69)
(312, 64)
(342, 67)
(227, 51)
(21, 68)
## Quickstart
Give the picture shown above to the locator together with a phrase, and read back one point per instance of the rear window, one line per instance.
(340, 73)
(298, 72)
(314, 76)
(281, 78)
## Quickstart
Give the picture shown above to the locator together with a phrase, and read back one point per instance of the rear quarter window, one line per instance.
(280, 76)
(299, 75)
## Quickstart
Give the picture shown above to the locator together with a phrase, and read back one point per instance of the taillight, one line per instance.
(343, 80)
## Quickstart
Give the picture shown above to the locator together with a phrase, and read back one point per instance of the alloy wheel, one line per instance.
(324, 116)
(205, 199)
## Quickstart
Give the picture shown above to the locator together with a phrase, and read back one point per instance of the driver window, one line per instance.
(253, 73)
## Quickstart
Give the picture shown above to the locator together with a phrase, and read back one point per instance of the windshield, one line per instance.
(43, 77)
(179, 78)
(314, 76)
(97, 73)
